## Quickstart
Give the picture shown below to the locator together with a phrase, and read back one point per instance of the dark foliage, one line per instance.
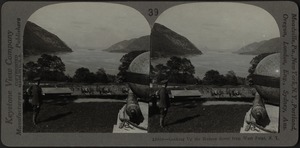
(83, 75)
(177, 70)
(126, 60)
(30, 70)
(49, 68)
(213, 77)
(254, 63)
(181, 71)
(231, 78)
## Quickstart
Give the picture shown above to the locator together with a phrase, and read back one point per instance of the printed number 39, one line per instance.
(152, 12)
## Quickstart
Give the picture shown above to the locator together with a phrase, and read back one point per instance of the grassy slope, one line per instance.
(184, 117)
(191, 117)
(74, 117)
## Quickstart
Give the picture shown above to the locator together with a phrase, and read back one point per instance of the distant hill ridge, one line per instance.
(164, 42)
(39, 41)
(135, 44)
(266, 46)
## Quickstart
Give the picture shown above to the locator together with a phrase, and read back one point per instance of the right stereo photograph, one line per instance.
(215, 72)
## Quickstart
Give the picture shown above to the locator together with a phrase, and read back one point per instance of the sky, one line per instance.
(219, 26)
(91, 25)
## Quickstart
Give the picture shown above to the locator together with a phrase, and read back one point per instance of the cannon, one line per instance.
(137, 78)
(266, 80)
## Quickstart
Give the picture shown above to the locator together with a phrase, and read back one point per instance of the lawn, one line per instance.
(193, 117)
(95, 117)
(89, 117)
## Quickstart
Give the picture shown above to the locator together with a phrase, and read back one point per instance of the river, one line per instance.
(95, 59)
(220, 61)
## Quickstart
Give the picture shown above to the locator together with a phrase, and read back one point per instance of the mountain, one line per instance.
(164, 42)
(39, 41)
(267, 46)
(136, 44)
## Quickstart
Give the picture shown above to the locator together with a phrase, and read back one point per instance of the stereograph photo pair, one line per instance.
(141, 73)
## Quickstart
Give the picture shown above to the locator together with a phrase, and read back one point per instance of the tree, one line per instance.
(187, 67)
(254, 63)
(199, 81)
(49, 68)
(30, 70)
(160, 72)
(177, 70)
(101, 76)
(126, 60)
(84, 75)
(112, 78)
(51, 63)
(181, 70)
(179, 65)
(213, 77)
(231, 78)
(69, 78)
